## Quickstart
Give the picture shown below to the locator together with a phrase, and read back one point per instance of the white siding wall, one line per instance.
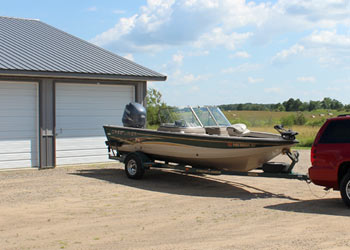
(81, 111)
(18, 125)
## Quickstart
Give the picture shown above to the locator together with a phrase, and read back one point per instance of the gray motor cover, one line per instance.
(134, 115)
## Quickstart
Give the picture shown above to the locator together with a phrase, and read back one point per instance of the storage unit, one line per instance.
(18, 125)
(81, 111)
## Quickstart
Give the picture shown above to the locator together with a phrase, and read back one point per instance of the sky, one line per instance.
(216, 51)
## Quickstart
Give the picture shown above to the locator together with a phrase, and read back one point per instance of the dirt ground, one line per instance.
(97, 207)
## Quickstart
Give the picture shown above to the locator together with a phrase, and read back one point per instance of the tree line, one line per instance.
(155, 103)
(290, 105)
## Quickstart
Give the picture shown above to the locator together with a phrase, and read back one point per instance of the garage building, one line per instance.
(56, 92)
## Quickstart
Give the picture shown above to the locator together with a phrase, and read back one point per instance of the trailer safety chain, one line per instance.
(327, 190)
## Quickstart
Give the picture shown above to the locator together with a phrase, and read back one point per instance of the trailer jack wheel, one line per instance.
(134, 166)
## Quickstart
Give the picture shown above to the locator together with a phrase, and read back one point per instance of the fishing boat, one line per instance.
(201, 137)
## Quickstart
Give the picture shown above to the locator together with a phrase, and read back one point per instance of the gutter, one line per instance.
(70, 75)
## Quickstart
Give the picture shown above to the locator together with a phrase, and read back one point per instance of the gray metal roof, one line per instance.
(31, 47)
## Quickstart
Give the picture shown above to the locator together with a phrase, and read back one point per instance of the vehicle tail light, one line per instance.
(313, 153)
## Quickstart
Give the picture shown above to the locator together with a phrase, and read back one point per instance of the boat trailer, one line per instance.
(137, 162)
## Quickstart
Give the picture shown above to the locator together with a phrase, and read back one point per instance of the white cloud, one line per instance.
(284, 55)
(129, 57)
(163, 23)
(213, 24)
(204, 3)
(180, 78)
(255, 80)
(190, 78)
(245, 67)
(328, 38)
(306, 79)
(123, 27)
(177, 58)
(173, 66)
(242, 54)
(325, 13)
(217, 37)
(327, 46)
(288, 16)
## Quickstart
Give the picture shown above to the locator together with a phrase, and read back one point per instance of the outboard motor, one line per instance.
(134, 115)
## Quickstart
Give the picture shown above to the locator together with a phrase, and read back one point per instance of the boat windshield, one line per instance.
(179, 117)
(211, 116)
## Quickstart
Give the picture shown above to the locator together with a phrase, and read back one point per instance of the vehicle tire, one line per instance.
(345, 189)
(134, 166)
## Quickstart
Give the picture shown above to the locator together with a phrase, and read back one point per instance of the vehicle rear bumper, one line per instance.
(324, 176)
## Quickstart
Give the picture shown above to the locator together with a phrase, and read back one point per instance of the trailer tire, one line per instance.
(345, 189)
(134, 168)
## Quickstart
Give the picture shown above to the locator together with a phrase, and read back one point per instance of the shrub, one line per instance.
(288, 120)
(299, 119)
(316, 123)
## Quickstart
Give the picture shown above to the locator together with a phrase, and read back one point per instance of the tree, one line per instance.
(303, 107)
(278, 107)
(240, 106)
(313, 105)
(326, 103)
(347, 107)
(154, 104)
(336, 105)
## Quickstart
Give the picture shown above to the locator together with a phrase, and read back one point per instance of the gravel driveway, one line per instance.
(97, 207)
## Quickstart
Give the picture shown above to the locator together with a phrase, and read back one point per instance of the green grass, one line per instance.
(306, 134)
(265, 120)
(268, 118)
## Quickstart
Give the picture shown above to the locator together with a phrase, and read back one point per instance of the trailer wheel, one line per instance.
(133, 166)
(345, 189)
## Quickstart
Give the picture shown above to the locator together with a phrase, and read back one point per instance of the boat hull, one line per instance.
(201, 151)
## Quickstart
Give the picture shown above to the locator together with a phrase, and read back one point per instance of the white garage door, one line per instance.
(81, 111)
(18, 125)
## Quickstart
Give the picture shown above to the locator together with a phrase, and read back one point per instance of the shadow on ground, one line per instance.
(182, 184)
(318, 206)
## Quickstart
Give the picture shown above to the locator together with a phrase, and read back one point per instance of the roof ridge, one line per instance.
(20, 18)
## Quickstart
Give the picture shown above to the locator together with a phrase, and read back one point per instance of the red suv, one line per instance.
(330, 156)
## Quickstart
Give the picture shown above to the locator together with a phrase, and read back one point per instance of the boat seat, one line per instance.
(171, 127)
(216, 131)
(238, 129)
